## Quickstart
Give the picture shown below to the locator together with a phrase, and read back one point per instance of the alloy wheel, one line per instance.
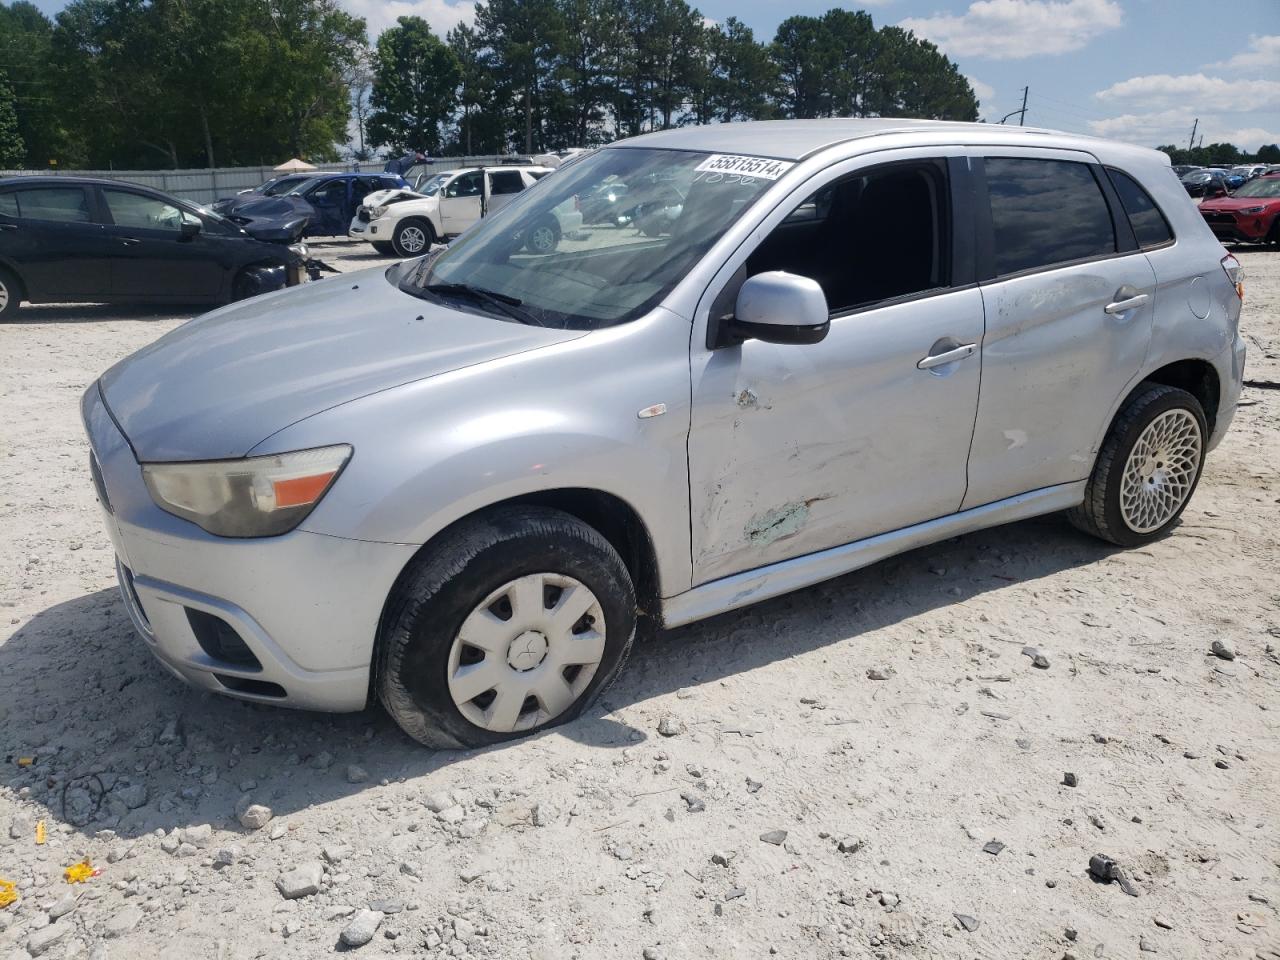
(526, 653)
(1161, 470)
(413, 239)
(4, 295)
(543, 239)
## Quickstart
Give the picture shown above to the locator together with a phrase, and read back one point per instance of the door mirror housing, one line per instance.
(779, 307)
(190, 229)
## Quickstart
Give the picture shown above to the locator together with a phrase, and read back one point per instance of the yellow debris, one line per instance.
(8, 893)
(26, 761)
(79, 872)
(39, 832)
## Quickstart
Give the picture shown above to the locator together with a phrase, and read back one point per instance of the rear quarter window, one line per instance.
(8, 205)
(1045, 213)
(1149, 224)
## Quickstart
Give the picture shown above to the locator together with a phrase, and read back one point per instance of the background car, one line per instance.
(1182, 169)
(1250, 215)
(409, 223)
(80, 240)
(1206, 183)
(1248, 170)
(328, 201)
(271, 188)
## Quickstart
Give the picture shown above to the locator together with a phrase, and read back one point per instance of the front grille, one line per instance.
(1223, 218)
(95, 471)
(363, 215)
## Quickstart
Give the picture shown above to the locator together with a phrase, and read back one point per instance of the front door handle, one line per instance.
(130, 241)
(8, 226)
(949, 356)
(1127, 298)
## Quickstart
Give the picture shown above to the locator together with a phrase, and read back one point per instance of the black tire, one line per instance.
(1100, 514)
(10, 295)
(384, 247)
(442, 587)
(544, 236)
(405, 227)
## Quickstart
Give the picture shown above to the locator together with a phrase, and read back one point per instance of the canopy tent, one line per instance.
(294, 166)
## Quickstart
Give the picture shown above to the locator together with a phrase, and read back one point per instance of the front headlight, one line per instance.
(255, 497)
(378, 211)
(1248, 210)
(300, 249)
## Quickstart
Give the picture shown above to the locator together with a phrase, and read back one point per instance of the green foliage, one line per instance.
(12, 150)
(197, 82)
(1268, 153)
(415, 81)
(1219, 154)
(25, 36)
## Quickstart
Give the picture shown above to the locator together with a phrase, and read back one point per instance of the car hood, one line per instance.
(218, 386)
(397, 195)
(1232, 204)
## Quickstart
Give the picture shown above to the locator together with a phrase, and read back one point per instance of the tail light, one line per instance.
(1235, 273)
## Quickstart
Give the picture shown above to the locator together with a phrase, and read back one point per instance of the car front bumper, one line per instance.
(1231, 226)
(303, 607)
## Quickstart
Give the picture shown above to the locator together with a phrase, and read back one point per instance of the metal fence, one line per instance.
(205, 186)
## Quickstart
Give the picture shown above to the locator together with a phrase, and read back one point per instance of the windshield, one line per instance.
(303, 187)
(1262, 187)
(569, 256)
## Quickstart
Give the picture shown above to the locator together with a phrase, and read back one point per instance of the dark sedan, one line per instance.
(327, 200)
(79, 240)
(273, 187)
(1206, 183)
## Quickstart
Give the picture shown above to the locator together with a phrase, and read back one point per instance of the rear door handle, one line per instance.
(8, 226)
(949, 356)
(130, 241)
(1127, 304)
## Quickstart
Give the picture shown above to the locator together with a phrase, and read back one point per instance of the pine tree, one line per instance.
(12, 150)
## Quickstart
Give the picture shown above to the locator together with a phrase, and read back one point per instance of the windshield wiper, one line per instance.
(507, 304)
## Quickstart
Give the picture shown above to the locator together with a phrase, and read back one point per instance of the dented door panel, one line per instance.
(794, 449)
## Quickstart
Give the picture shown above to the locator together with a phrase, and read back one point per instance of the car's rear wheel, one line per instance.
(10, 294)
(1147, 469)
(543, 236)
(412, 237)
(383, 247)
(514, 621)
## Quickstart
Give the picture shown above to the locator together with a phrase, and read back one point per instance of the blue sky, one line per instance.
(1138, 70)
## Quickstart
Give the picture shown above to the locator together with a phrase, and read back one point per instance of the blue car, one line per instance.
(327, 200)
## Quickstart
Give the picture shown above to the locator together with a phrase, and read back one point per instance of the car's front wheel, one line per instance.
(1147, 469)
(544, 236)
(10, 294)
(413, 237)
(515, 620)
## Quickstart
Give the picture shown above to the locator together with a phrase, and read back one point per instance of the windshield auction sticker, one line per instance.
(756, 167)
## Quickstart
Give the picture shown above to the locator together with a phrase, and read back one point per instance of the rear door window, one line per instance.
(8, 205)
(1045, 213)
(56, 204)
(505, 181)
(1149, 224)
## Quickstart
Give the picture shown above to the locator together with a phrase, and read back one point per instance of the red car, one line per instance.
(1251, 214)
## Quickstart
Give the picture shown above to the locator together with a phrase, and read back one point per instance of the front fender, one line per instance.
(563, 416)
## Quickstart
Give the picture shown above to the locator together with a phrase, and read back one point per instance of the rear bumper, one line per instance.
(305, 606)
(1230, 366)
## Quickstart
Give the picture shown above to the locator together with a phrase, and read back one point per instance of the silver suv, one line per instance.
(457, 484)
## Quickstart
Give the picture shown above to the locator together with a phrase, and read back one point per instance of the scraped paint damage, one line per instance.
(772, 525)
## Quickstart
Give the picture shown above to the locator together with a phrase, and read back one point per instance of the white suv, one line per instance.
(408, 222)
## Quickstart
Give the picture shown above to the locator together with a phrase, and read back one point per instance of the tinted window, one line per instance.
(8, 205)
(467, 185)
(867, 238)
(333, 192)
(506, 181)
(63, 204)
(144, 213)
(1149, 225)
(1046, 212)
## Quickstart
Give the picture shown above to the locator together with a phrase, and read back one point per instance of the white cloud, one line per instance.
(441, 14)
(1194, 91)
(1017, 29)
(1174, 126)
(983, 91)
(1263, 56)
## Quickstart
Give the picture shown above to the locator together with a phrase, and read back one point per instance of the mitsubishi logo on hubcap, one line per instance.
(527, 651)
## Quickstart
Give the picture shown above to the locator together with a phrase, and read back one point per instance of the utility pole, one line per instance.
(1194, 126)
(1022, 114)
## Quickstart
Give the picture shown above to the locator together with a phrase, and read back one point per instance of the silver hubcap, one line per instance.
(544, 238)
(412, 239)
(1160, 471)
(526, 653)
(4, 295)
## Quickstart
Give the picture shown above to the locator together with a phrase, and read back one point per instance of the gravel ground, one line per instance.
(800, 809)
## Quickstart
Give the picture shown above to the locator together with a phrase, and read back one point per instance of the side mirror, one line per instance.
(190, 229)
(780, 307)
